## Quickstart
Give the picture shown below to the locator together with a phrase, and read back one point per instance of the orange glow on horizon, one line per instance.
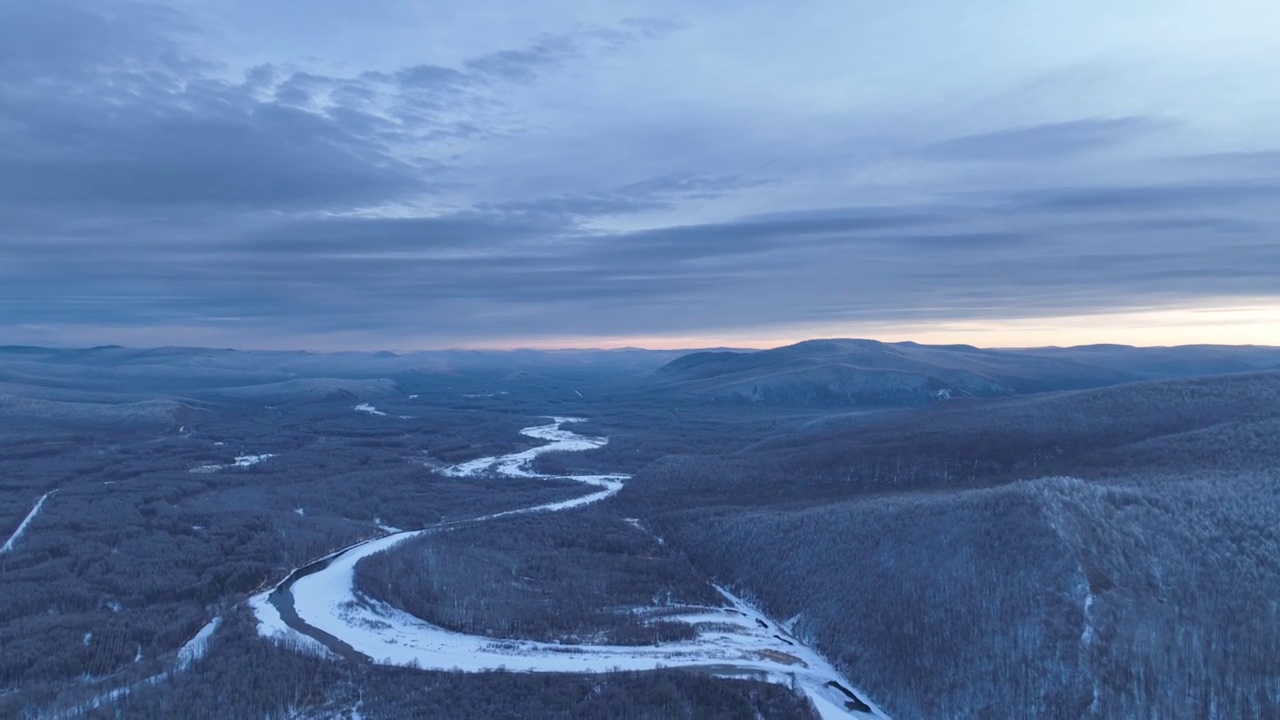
(1237, 321)
(1245, 324)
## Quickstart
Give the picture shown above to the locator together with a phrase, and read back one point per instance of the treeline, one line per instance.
(243, 676)
(557, 577)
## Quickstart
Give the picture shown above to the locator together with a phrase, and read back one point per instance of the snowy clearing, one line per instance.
(241, 461)
(367, 408)
(247, 460)
(22, 527)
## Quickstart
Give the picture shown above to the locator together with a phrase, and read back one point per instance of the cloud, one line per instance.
(492, 182)
(794, 232)
(61, 39)
(430, 77)
(269, 157)
(664, 191)
(373, 236)
(1237, 160)
(553, 50)
(1148, 198)
(512, 273)
(103, 105)
(1042, 142)
(106, 110)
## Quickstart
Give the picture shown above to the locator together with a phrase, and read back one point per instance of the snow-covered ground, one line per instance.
(196, 647)
(736, 640)
(22, 527)
(241, 461)
(367, 408)
(247, 460)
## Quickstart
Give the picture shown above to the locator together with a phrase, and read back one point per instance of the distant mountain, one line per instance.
(157, 415)
(312, 390)
(92, 374)
(816, 373)
(822, 373)
(1170, 426)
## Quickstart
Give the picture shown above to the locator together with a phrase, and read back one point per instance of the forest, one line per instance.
(1096, 553)
(567, 578)
(1142, 585)
(134, 552)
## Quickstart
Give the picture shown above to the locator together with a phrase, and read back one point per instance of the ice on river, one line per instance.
(520, 464)
(734, 640)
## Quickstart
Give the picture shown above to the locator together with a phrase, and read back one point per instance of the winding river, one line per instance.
(317, 609)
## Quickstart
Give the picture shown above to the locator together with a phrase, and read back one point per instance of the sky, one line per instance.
(388, 174)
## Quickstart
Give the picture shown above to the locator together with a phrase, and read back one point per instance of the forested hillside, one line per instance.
(934, 557)
(867, 373)
(583, 578)
(1191, 424)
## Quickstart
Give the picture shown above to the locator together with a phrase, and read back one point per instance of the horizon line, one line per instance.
(623, 348)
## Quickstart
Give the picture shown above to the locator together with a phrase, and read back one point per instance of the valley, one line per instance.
(639, 360)
(271, 535)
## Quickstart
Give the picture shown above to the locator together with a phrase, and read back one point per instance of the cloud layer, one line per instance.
(627, 176)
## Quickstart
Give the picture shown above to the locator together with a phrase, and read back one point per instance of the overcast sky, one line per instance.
(410, 174)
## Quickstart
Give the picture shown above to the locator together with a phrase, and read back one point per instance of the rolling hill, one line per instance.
(1068, 555)
(868, 373)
